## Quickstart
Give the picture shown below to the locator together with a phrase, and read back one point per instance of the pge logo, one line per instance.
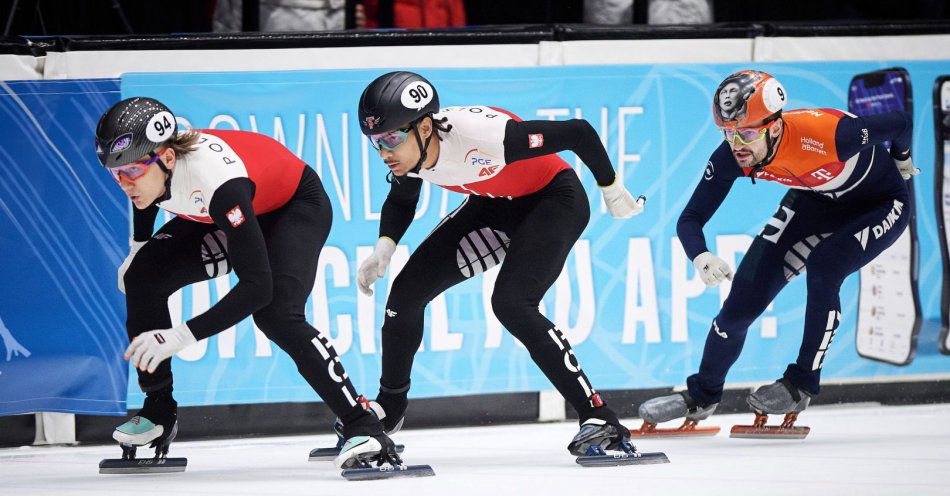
(479, 161)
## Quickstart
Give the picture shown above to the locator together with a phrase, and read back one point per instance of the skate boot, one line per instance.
(603, 441)
(328, 454)
(671, 407)
(390, 407)
(155, 425)
(368, 453)
(780, 397)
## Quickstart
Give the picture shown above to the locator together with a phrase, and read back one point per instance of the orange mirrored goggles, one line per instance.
(133, 171)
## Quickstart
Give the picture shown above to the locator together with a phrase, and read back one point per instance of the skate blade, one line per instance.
(694, 432)
(142, 465)
(328, 454)
(387, 472)
(768, 432)
(614, 459)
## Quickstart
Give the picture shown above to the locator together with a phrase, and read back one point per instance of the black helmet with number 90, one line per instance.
(132, 129)
(394, 100)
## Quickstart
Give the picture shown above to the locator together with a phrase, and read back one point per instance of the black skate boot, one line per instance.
(368, 453)
(155, 425)
(378, 412)
(390, 407)
(603, 441)
(780, 397)
(671, 407)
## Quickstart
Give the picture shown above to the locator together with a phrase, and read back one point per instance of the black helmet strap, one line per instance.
(423, 148)
(168, 182)
(423, 151)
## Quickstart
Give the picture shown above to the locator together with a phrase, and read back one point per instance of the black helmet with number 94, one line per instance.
(132, 129)
(394, 100)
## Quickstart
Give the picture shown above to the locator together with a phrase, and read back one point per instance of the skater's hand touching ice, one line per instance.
(712, 269)
(375, 266)
(150, 348)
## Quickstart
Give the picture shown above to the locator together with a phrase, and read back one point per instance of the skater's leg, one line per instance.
(461, 246)
(776, 256)
(181, 253)
(550, 225)
(295, 234)
(839, 255)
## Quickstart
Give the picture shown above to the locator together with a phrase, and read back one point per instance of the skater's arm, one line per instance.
(853, 134)
(143, 221)
(529, 139)
(721, 172)
(232, 211)
(399, 207)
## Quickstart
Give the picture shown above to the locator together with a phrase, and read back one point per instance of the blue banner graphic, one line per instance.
(628, 299)
(63, 231)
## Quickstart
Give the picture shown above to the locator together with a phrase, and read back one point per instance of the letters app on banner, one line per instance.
(628, 299)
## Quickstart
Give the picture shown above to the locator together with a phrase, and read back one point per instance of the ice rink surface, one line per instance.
(854, 449)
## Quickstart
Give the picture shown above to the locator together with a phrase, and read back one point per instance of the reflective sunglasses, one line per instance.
(133, 171)
(747, 135)
(389, 140)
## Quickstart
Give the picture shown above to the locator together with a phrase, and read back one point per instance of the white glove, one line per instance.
(375, 266)
(134, 247)
(620, 202)
(712, 269)
(151, 348)
(906, 168)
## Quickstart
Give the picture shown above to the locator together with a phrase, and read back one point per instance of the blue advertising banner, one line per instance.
(63, 231)
(628, 298)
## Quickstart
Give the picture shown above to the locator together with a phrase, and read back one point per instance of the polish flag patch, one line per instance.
(535, 140)
(235, 216)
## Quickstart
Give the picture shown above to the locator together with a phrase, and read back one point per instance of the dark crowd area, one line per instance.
(105, 17)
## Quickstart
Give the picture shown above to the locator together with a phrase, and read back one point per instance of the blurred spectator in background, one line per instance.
(283, 15)
(620, 12)
(679, 12)
(608, 11)
(410, 13)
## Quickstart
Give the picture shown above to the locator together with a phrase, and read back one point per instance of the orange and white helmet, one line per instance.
(747, 97)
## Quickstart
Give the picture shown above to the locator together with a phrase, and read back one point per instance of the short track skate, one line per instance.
(688, 429)
(596, 456)
(160, 463)
(328, 454)
(758, 429)
(384, 466)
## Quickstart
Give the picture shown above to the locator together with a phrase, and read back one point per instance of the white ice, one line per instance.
(855, 449)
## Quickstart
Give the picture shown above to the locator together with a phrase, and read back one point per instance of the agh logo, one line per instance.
(197, 198)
